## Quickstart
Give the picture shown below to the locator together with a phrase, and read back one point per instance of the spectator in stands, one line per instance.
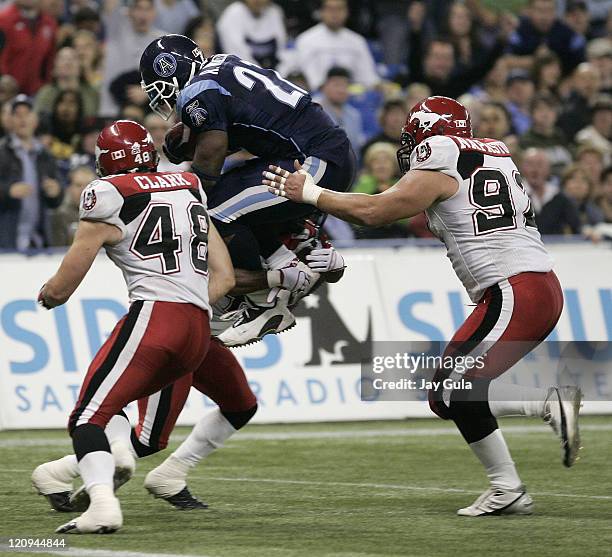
(127, 34)
(605, 197)
(65, 218)
(201, 30)
(463, 35)
(585, 86)
(88, 50)
(435, 65)
(416, 93)
(334, 98)
(8, 88)
(28, 184)
(592, 161)
(27, 42)
(392, 118)
(67, 77)
(330, 44)
(158, 127)
(253, 30)
(87, 18)
(555, 213)
(599, 133)
(380, 169)
(540, 31)
(493, 87)
(545, 135)
(6, 118)
(380, 173)
(172, 16)
(64, 126)
(547, 74)
(85, 150)
(578, 188)
(132, 111)
(599, 53)
(577, 17)
(494, 121)
(520, 91)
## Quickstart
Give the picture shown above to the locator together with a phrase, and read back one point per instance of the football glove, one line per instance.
(325, 260)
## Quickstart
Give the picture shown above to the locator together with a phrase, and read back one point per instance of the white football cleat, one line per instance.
(125, 466)
(561, 410)
(253, 322)
(102, 517)
(495, 501)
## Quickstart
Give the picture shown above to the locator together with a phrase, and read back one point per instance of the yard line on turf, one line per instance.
(297, 435)
(81, 552)
(425, 489)
(362, 485)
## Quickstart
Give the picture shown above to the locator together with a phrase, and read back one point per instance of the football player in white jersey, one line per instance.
(475, 203)
(154, 226)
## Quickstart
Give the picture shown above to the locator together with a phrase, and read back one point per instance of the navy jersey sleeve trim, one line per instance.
(192, 91)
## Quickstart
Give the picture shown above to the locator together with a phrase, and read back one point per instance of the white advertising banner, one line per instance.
(310, 373)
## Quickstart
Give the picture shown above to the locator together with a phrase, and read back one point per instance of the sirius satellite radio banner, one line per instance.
(310, 373)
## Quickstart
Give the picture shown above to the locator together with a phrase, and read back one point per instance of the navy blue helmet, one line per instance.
(166, 65)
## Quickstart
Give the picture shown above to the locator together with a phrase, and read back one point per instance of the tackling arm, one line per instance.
(89, 238)
(416, 191)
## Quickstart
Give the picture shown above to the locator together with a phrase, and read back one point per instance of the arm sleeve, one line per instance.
(101, 202)
(203, 105)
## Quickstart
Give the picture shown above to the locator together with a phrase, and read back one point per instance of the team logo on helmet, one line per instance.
(89, 199)
(164, 64)
(198, 115)
(427, 120)
(135, 149)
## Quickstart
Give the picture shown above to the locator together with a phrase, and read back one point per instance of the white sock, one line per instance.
(118, 428)
(494, 455)
(506, 399)
(207, 435)
(280, 258)
(97, 467)
(67, 467)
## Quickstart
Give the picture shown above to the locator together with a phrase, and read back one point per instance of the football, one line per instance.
(180, 143)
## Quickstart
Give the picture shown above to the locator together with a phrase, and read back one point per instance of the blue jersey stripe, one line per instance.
(193, 90)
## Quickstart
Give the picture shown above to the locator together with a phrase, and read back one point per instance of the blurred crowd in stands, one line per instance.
(536, 74)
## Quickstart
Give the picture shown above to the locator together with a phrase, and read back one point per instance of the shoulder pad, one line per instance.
(101, 202)
(435, 153)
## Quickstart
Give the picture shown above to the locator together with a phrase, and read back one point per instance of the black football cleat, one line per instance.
(60, 502)
(184, 501)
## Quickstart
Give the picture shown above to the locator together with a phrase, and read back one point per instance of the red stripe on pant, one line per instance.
(220, 377)
(174, 344)
(537, 306)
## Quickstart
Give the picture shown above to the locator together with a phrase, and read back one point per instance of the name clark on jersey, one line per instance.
(159, 181)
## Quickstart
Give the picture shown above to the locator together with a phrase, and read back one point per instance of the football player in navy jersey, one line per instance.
(232, 104)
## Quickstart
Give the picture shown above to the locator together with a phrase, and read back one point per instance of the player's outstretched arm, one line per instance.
(221, 277)
(89, 238)
(416, 191)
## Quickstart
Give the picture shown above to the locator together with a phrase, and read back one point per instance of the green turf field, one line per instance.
(375, 488)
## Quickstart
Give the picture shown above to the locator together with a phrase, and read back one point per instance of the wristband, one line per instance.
(310, 192)
(202, 175)
(274, 278)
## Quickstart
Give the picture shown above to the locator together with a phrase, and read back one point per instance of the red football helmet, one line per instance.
(433, 116)
(125, 146)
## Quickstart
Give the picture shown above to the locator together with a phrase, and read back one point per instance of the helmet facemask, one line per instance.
(162, 96)
(408, 143)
